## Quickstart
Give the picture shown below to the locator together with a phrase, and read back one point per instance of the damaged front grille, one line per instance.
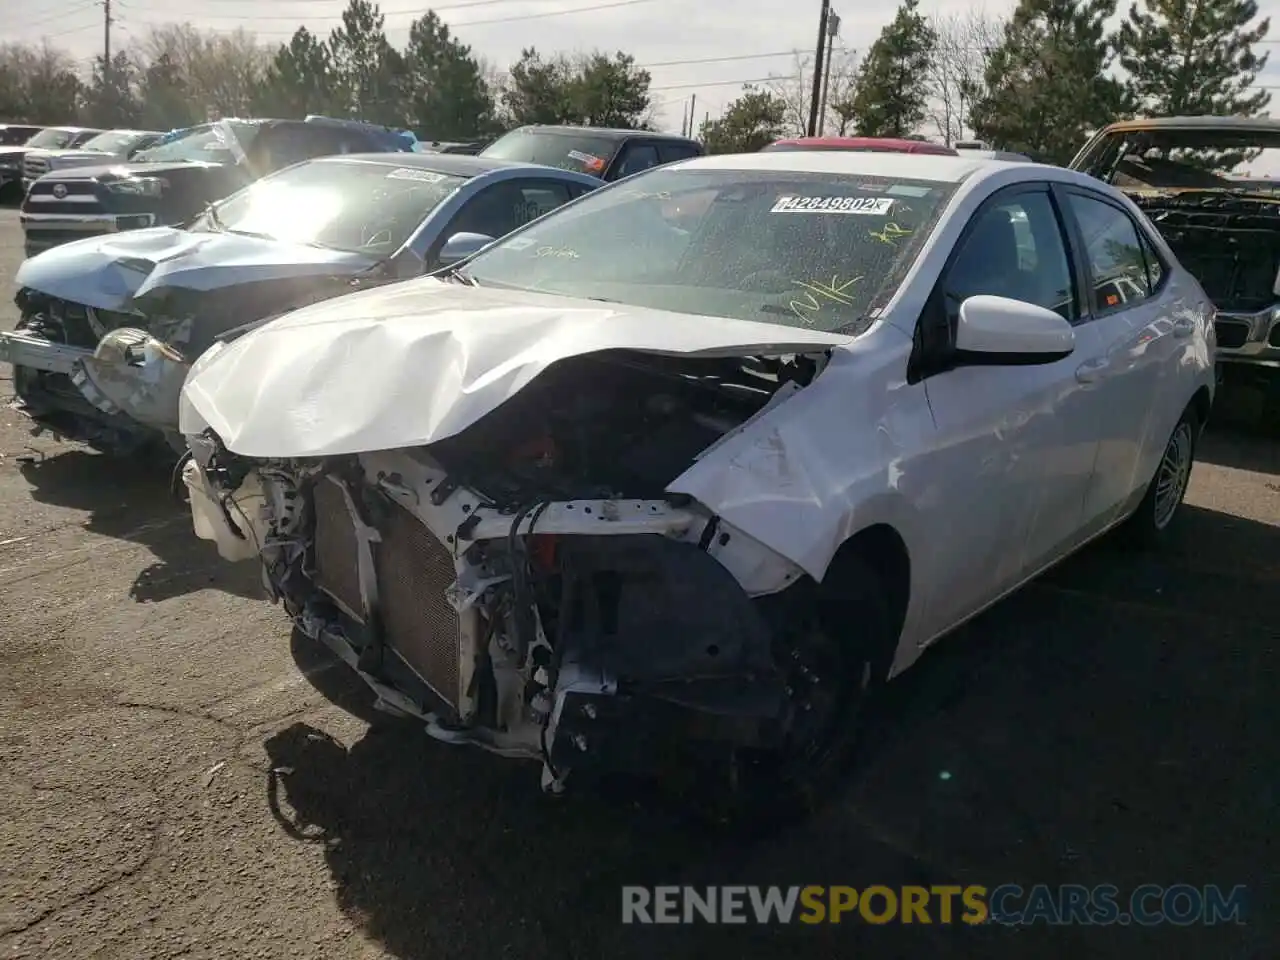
(413, 572)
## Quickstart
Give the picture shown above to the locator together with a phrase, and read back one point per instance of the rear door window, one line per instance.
(1113, 251)
(671, 152)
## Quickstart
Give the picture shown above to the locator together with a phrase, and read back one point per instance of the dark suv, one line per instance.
(173, 181)
(603, 152)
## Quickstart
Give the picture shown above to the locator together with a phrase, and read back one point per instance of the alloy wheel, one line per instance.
(1172, 477)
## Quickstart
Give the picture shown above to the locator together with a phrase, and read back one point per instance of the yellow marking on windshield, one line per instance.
(563, 252)
(891, 233)
(818, 294)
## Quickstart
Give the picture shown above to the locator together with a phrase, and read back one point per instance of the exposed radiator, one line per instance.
(413, 569)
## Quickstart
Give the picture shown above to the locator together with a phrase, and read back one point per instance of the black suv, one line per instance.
(600, 151)
(176, 179)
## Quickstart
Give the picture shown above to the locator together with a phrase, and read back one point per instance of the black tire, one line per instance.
(848, 646)
(1157, 514)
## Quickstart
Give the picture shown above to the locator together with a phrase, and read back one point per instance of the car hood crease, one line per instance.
(419, 361)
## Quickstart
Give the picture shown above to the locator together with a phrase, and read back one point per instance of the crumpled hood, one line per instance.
(110, 272)
(418, 361)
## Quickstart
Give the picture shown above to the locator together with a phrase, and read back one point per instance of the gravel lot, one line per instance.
(1115, 722)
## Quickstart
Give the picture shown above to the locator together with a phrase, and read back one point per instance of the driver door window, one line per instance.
(1015, 249)
(499, 209)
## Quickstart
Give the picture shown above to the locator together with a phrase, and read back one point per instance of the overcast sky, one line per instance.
(758, 33)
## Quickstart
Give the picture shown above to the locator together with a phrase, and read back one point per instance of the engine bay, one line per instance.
(1230, 243)
(611, 425)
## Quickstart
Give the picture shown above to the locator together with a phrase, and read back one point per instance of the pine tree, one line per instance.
(1194, 57)
(448, 97)
(754, 120)
(892, 86)
(1047, 87)
(300, 79)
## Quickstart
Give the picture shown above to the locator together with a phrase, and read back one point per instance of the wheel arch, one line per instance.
(1202, 405)
(881, 547)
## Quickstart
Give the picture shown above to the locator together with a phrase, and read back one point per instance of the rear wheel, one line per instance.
(1162, 503)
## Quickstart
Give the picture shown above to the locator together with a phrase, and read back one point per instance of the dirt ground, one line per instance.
(177, 782)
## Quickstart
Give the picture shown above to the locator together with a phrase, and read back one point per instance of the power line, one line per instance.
(415, 10)
(744, 56)
(67, 33)
(719, 83)
(472, 23)
(60, 15)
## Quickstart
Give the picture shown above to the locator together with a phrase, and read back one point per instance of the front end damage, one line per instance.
(111, 378)
(527, 586)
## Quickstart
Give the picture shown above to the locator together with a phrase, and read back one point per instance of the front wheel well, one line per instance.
(881, 548)
(1201, 404)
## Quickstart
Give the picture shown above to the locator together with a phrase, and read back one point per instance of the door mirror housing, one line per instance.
(998, 331)
(462, 245)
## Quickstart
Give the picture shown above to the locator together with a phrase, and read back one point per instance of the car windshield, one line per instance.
(15, 136)
(1189, 158)
(114, 141)
(53, 138)
(581, 153)
(811, 250)
(209, 143)
(350, 205)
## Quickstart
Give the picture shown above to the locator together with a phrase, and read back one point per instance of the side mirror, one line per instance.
(462, 245)
(997, 331)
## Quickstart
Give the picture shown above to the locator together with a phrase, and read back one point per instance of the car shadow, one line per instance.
(132, 500)
(1230, 444)
(1248, 406)
(1110, 723)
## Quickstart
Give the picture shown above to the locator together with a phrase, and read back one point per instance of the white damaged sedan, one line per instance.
(671, 479)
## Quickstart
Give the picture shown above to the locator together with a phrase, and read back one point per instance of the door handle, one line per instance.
(1183, 329)
(1091, 371)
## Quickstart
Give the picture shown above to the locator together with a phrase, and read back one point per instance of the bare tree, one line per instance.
(795, 90)
(38, 84)
(957, 73)
(220, 70)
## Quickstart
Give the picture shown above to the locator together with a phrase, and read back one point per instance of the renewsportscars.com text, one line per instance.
(1007, 904)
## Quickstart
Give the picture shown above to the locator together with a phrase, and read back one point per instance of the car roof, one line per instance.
(454, 164)
(134, 133)
(1195, 123)
(77, 129)
(921, 166)
(890, 144)
(990, 154)
(608, 133)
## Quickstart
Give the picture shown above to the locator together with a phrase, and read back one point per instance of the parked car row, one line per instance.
(585, 452)
(109, 325)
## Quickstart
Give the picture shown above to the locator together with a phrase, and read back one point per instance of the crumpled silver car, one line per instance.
(111, 324)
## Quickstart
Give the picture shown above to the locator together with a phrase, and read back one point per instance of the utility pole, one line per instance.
(833, 27)
(817, 67)
(106, 43)
(693, 102)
